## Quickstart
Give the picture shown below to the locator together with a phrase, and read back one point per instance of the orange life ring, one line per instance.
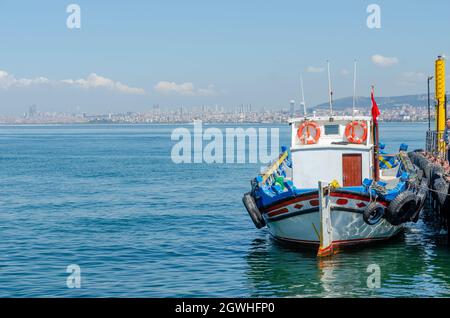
(304, 135)
(350, 132)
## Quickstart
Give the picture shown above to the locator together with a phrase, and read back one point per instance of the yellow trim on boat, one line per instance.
(387, 163)
(274, 167)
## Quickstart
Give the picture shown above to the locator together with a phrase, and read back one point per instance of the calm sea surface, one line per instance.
(109, 199)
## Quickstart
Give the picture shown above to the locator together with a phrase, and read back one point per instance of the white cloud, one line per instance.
(9, 80)
(384, 60)
(412, 78)
(345, 72)
(313, 69)
(185, 89)
(91, 81)
(96, 81)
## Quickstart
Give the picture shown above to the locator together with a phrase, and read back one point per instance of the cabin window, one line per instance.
(331, 129)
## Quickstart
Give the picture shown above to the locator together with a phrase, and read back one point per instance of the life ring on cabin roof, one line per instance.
(350, 132)
(304, 134)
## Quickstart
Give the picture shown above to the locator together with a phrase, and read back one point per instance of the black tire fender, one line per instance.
(421, 197)
(373, 213)
(253, 211)
(428, 171)
(441, 188)
(402, 208)
(420, 174)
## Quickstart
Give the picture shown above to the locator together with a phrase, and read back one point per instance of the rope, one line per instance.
(435, 191)
(373, 199)
(370, 193)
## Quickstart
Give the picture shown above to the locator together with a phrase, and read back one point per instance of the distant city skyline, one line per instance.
(397, 110)
(172, 53)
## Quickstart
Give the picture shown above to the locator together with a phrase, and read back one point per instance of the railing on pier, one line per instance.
(435, 145)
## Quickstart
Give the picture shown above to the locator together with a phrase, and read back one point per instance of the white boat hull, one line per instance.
(348, 228)
(298, 221)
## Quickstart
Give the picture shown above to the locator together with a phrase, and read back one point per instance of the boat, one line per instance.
(333, 187)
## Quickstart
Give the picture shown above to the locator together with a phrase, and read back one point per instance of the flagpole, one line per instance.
(354, 89)
(330, 89)
(376, 151)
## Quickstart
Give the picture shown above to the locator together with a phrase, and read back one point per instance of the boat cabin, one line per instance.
(331, 149)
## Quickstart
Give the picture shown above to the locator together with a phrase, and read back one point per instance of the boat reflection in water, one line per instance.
(412, 265)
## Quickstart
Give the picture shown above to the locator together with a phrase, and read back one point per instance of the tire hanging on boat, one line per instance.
(420, 174)
(420, 199)
(374, 213)
(253, 211)
(428, 169)
(402, 208)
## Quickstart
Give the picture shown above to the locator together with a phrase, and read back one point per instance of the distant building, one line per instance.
(32, 111)
(292, 109)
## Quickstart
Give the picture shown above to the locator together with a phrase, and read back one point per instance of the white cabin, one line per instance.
(332, 156)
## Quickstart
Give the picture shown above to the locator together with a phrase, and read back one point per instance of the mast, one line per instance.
(330, 90)
(354, 89)
(303, 95)
(376, 139)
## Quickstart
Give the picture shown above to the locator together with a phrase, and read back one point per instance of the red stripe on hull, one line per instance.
(292, 201)
(336, 243)
(315, 196)
(278, 212)
(353, 197)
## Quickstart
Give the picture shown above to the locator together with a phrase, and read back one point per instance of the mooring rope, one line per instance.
(435, 191)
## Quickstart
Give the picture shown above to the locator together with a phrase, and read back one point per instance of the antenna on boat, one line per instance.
(354, 89)
(303, 95)
(330, 89)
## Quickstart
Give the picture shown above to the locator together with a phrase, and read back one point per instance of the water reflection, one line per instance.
(413, 265)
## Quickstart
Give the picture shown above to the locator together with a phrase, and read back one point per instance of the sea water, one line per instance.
(109, 200)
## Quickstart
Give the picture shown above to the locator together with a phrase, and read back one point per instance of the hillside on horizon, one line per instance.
(419, 100)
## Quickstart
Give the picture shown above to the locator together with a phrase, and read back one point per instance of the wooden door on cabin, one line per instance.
(352, 170)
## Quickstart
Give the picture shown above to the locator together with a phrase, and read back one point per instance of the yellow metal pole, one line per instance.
(440, 99)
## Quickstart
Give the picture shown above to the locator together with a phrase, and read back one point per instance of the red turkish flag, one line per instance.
(375, 110)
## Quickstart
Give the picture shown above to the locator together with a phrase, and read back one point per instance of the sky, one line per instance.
(131, 55)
